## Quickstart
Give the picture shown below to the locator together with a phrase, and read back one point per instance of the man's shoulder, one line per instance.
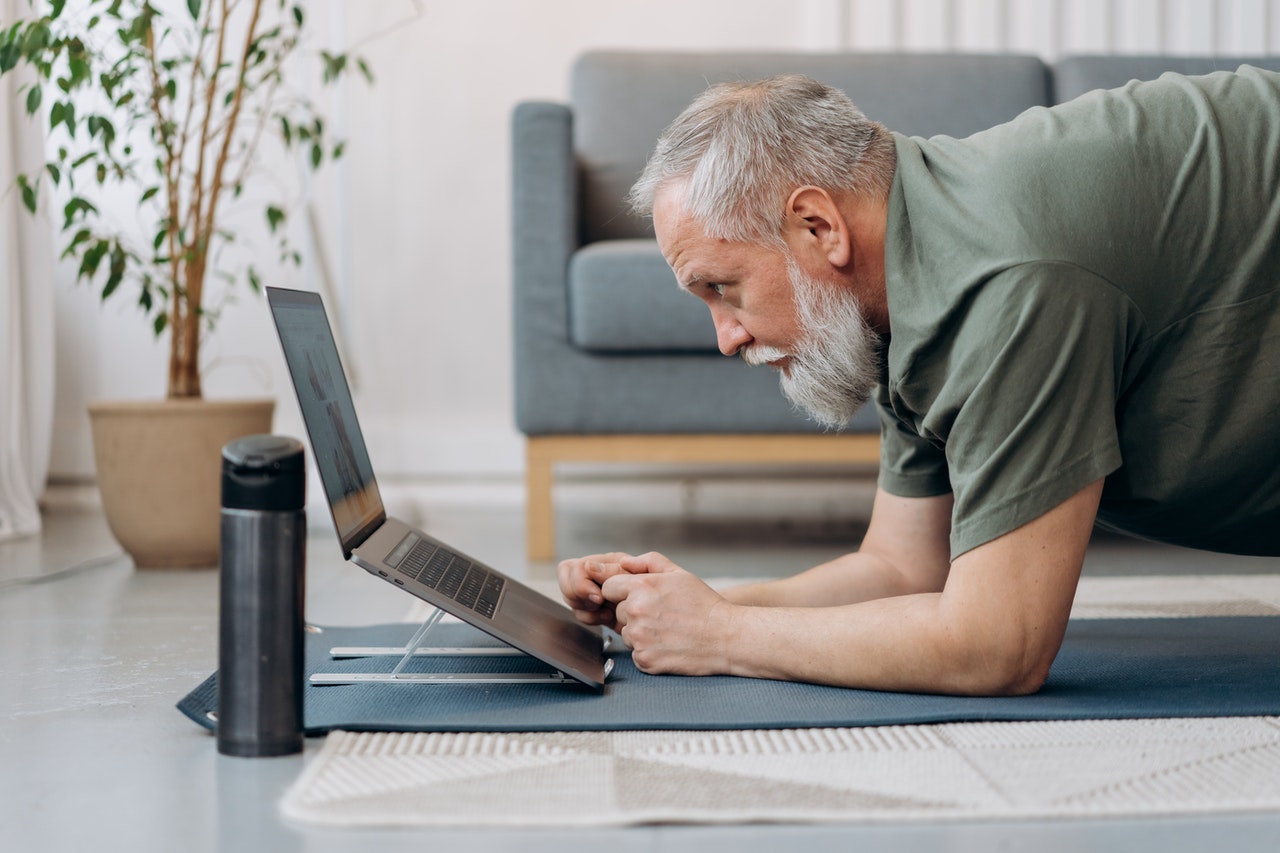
(946, 320)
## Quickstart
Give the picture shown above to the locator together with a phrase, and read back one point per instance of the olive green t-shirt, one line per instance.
(1093, 290)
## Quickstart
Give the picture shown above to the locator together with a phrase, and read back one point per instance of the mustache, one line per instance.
(758, 354)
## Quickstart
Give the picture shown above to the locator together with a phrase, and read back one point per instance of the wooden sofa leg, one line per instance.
(540, 522)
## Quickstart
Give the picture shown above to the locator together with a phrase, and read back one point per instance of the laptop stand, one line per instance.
(416, 648)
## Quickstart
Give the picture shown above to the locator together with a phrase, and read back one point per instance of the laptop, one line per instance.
(393, 550)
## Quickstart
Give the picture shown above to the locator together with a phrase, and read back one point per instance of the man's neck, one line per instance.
(867, 218)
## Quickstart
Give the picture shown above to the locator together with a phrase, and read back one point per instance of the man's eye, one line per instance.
(717, 289)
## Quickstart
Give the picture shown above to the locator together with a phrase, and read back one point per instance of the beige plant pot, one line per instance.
(159, 471)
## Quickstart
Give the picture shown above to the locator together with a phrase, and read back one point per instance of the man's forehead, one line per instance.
(682, 241)
(668, 207)
(674, 227)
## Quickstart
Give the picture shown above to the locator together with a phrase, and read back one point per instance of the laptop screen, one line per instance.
(330, 414)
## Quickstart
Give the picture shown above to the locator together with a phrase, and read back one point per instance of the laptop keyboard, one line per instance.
(453, 575)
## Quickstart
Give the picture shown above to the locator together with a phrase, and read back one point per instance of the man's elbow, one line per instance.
(1019, 677)
(1007, 666)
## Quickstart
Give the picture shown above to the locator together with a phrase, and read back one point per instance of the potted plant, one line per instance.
(166, 107)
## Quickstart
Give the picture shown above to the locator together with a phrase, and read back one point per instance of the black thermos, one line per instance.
(260, 624)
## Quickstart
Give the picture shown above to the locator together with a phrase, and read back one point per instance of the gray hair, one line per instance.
(742, 148)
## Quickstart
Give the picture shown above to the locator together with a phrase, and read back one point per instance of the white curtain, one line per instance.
(26, 316)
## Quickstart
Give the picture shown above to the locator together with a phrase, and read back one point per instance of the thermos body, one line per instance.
(262, 591)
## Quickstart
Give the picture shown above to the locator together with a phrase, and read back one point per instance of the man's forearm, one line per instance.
(994, 629)
(849, 579)
(913, 643)
(905, 550)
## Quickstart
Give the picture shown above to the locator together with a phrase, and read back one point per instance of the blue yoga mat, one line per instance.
(1107, 669)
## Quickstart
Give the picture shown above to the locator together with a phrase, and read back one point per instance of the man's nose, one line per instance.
(730, 334)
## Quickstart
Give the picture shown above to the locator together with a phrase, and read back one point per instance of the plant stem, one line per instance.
(191, 262)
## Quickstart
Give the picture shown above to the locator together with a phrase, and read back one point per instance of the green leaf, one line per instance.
(297, 14)
(149, 193)
(158, 325)
(254, 281)
(108, 131)
(274, 217)
(76, 205)
(137, 29)
(91, 260)
(28, 193)
(33, 99)
(115, 273)
(79, 68)
(81, 235)
(317, 155)
(37, 38)
(364, 69)
(56, 9)
(54, 172)
(10, 53)
(193, 6)
(334, 64)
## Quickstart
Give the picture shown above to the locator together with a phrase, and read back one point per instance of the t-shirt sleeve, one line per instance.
(1024, 396)
(910, 466)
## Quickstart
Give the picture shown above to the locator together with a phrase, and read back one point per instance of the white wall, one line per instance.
(415, 220)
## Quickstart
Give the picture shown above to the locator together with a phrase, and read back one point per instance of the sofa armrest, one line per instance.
(544, 232)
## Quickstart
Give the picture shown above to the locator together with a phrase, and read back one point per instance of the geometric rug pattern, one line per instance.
(1058, 769)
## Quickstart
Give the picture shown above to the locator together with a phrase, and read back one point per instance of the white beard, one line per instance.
(836, 362)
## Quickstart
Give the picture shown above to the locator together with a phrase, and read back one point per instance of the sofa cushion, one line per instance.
(1075, 75)
(624, 298)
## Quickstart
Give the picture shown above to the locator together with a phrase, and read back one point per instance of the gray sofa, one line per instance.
(612, 362)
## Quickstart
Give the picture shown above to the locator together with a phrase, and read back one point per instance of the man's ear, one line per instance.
(815, 225)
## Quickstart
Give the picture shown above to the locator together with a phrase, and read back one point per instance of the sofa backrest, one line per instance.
(1075, 75)
(622, 101)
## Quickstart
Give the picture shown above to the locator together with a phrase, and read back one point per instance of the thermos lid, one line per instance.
(264, 472)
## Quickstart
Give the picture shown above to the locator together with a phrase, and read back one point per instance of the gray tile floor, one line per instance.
(93, 656)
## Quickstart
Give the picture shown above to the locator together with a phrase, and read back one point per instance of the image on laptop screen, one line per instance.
(330, 415)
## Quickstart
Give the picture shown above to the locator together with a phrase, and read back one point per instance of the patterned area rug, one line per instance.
(893, 773)
(1061, 769)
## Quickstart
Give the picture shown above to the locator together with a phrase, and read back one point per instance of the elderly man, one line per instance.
(1068, 319)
